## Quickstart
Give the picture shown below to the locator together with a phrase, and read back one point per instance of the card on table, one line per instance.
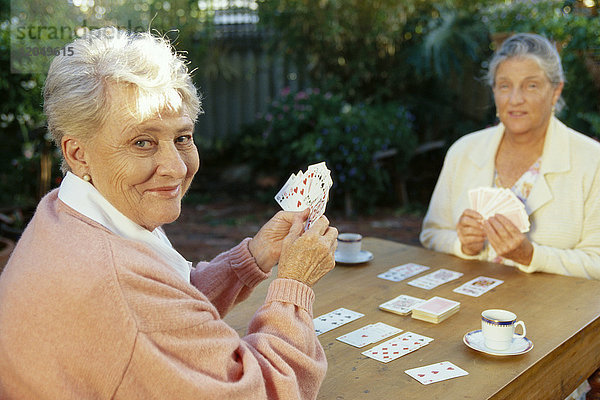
(334, 319)
(368, 334)
(397, 347)
(436, 278)
(308, 189)
(401, 305)
(402, 272)
(436, 372)
(478, 286)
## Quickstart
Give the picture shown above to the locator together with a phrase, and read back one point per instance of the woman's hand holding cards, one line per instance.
(507, 239)
(308, 256)
(470, 232)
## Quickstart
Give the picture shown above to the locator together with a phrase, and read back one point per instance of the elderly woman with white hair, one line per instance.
(552, 169)
(95, 303)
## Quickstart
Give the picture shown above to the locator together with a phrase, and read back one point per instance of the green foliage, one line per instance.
(22, 144)
(310, 126)
(419, 51)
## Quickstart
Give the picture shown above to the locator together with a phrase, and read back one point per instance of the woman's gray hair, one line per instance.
(532, 46)
(76, 98)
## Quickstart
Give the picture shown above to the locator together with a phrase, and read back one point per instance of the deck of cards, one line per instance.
(489, 201)
(401, 305)
(435, 310)
(308, 189)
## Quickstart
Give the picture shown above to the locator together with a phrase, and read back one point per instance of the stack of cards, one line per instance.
(334, 319)
(436, 372)
(435, 279)
(491, 201)
(369, 334)
(402, 272)
(397, 347)
(308, 189)
(435, 310)
(478, 286)
(401, 305)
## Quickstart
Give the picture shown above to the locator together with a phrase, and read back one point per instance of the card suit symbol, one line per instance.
(396, 352)
(304, 181)
(450, 368)
(375, 352)
(405, 348)
(394, 344)
(435, 372)
(299, 203)
(421, 375)
(365, 335)
(302, 192)
(386, 356)
(295, 190)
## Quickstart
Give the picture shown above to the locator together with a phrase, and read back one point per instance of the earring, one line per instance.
(87, 177)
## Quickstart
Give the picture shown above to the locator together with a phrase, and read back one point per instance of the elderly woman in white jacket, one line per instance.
(554, 170)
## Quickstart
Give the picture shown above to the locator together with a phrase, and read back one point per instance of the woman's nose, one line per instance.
(169, 161)
(516, 96)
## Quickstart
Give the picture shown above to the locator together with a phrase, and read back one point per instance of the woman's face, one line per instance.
(143, 169)
(524, 96)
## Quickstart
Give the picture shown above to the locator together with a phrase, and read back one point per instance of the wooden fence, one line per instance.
(244, 77)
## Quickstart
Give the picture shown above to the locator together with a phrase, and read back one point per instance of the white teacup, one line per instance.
(498, 327)
(348, 244)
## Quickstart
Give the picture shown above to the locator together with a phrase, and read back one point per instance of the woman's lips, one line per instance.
(166, 191)
(517, 113)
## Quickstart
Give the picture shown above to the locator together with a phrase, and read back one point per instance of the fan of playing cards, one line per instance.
(489, 201)
(308, 189)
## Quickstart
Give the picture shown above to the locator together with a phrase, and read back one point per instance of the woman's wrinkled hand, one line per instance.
(266, 245)
(308, 256)
(507, 240)
(470, 232)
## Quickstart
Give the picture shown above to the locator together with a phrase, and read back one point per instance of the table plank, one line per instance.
(561, 315)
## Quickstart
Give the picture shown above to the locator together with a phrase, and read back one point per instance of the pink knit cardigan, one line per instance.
(86, 314)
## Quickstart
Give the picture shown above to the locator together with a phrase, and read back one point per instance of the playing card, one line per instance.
(436, 305)
(478, 286)
(397, 347)
(334, 319)
(369, 334)
(402, 272)
(489, 201)
(308, 189)
(402, 304)
(436, 372)
(435, 278)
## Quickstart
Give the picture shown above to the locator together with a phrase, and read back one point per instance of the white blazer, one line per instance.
(563, 206)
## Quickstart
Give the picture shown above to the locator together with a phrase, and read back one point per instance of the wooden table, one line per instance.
(562, 316)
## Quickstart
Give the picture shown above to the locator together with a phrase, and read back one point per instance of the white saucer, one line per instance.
(361, 257)
(474, 340)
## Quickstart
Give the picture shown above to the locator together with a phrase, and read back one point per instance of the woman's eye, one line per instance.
(142, 144)
(185, 139)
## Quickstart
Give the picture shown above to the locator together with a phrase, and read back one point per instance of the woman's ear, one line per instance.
(75, 155)
(557, 91)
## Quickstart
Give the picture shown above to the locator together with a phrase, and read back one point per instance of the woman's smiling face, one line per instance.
(143, 169)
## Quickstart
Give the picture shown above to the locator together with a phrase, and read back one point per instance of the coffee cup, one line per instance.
(348, 244)
(498, 328)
